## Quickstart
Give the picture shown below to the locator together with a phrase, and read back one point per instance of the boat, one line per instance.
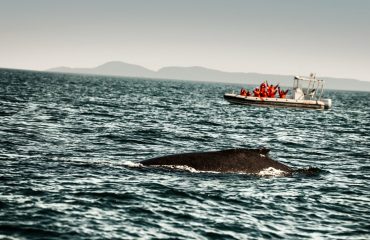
(306, 93)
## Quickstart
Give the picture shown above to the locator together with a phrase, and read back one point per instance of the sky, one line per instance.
(327, 37)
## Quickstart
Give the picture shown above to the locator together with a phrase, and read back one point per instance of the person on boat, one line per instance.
(263, 85)
(256, 92)
(243, 92)
(271, 91)
(282, 93)
(263, 90)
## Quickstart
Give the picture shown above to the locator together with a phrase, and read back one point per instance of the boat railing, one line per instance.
(311, 86)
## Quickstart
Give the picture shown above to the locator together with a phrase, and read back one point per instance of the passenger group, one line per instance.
(265, 90)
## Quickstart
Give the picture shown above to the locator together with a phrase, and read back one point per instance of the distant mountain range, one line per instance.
(209, 75)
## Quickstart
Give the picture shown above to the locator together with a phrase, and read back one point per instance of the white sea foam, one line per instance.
(270, 171)
(9, 237)
(178, 167)
(183, 168)
(130, 164)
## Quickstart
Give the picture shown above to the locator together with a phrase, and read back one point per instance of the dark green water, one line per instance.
(69, 147)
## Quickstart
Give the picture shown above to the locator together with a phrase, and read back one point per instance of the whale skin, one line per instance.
(228, 161)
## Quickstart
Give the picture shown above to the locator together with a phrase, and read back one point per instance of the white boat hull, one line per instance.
(275, 102)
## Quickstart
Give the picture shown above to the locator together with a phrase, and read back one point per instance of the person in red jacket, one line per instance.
(263, 90)
(271, 91)
(243, 92)
(256, 92)
(282, 93)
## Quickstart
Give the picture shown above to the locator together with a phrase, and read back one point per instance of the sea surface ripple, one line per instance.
(70, 146)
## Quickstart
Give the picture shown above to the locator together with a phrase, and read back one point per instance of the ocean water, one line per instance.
(70, 146)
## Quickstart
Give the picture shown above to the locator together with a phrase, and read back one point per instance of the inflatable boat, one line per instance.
(306, 93)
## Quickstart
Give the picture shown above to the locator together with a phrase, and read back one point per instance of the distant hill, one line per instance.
(110, 68)
(210, 75)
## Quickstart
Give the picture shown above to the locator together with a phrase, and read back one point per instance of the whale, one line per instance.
(240, 160)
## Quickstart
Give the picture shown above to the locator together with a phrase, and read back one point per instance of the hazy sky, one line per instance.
(329, 37)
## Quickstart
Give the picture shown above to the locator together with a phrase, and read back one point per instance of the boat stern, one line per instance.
(327, 103)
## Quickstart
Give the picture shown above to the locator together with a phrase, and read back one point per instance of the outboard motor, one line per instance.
(327, 103)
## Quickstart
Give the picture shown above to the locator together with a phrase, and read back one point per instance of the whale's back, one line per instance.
(231, 160)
